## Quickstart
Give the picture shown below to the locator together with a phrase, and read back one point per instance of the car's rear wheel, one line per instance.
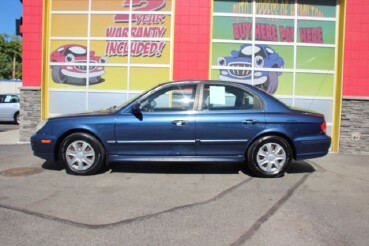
(269, 156)
(57, 75)
(82, 154)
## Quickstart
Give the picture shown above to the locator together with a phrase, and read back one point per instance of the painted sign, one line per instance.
(140, 29)
(278, 27)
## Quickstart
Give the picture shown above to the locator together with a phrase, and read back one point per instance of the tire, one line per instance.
(57, 75)
(269, 156)
(271, 85)
(16, 118)
(82, 154)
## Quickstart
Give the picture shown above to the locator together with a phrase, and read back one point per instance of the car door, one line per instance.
(9, 105)
(229, 118)
(164, 125)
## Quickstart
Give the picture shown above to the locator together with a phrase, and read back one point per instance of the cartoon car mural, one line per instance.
(76, 74)
(264, 57)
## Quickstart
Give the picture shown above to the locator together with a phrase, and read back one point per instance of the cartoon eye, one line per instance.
(259, 61)
(269, 50)
(103, 60)
(221, 61)
(69, 58)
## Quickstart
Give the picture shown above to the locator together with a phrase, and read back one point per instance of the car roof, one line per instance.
(205, 81)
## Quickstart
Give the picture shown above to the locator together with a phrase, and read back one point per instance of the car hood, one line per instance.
(103, 112)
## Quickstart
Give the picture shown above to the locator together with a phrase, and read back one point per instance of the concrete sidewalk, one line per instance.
(10, 137)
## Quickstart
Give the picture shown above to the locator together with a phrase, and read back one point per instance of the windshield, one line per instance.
(122, 105)
(125, 103)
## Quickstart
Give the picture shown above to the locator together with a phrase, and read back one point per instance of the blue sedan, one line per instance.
(187, 121)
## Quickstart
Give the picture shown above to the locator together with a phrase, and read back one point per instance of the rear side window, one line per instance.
(225, 97)
(9, 99)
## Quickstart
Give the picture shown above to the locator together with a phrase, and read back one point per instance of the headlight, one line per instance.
(41, 125)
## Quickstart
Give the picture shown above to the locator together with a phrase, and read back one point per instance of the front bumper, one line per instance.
(44, 150)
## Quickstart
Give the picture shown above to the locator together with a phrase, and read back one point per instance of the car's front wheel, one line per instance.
(269, 156)
(82, 154)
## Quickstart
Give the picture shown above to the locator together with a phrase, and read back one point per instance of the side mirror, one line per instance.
(136, 110)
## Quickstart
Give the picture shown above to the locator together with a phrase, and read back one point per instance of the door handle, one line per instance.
(179, 122)
(250, 122)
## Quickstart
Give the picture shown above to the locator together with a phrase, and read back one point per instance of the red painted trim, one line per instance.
(32, 42)
(192, 39)
(356, 62)
(192, 44)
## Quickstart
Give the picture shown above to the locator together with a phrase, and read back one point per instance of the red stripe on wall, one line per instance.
(32, 42)
(356, 63)
(192, 39)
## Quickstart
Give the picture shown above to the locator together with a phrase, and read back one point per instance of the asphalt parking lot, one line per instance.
(320, 202)
(6, 126)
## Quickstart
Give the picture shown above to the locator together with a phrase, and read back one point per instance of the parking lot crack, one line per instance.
(127, 221)
(265, 217)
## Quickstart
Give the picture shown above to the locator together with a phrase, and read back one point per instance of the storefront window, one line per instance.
(287, 48)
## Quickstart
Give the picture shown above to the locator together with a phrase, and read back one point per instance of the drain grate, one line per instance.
(21, 171)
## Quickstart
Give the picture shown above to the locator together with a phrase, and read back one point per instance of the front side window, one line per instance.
(225, 97)
(171, 98)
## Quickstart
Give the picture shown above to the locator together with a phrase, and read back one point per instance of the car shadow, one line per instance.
(175, 167)
(52, 165)
(198, 168)
(300, 167)
(182, 168)
(8, 126)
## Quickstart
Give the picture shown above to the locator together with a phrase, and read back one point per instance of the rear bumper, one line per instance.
(312, 147)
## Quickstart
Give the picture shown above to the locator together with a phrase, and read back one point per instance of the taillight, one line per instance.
(323, 126)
